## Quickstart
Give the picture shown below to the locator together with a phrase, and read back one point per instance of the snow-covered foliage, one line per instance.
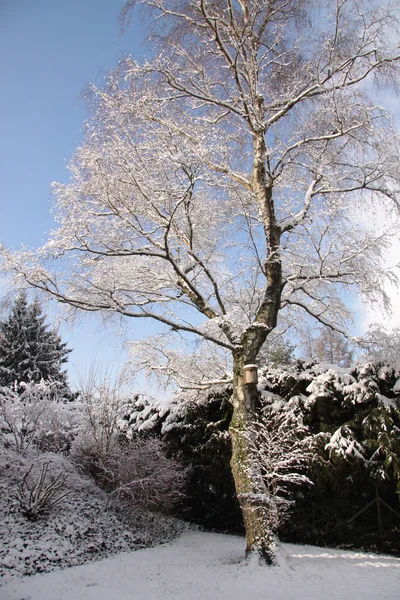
(137, 473)
(343, 445)
(146, 415)
(353, 415)
(143, 414)
(358, 410)
(34, 413)
(29, 351)
(284, 449)
(194, 426)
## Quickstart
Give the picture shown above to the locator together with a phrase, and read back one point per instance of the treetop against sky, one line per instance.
(53, 52)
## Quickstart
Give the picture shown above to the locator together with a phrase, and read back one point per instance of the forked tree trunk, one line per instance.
(258, 508)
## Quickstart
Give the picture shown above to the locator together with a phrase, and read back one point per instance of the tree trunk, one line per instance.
(258, 508)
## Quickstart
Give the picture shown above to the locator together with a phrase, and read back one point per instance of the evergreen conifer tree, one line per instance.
(29, 351)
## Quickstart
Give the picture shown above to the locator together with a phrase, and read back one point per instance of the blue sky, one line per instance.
(50, 50)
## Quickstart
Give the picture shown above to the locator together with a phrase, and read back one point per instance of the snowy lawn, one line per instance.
(210, 566)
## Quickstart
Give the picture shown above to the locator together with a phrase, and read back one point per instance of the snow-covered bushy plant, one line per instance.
(353, 415)
(144, 415)
(283, 445)
(347, 425)
(59, 425)
(365, 417)
(20, 416)
(98, 435)
(38, 496)
(137, 473)
(356, 410)
(142, 477)
(33, 414)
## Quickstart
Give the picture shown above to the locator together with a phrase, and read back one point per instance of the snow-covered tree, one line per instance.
(276, 351)
(30, 352)
(222, 187)
(383, 346)
(329, 346)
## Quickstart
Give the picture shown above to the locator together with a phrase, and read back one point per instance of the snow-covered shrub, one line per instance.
(283, 445)
(38, 496)
(59, 425)
(20, 415)
(32, 414)
(365, 421)
(145, 415)
(98, 436)
(142, 477)
(354, 417)
(137, 473)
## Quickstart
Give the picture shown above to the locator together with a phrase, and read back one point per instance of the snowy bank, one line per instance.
(80, 529)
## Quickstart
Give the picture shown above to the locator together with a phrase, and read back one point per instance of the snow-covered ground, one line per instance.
(80, 529)
(208, 566)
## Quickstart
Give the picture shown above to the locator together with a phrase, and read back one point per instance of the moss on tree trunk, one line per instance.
(258, 508)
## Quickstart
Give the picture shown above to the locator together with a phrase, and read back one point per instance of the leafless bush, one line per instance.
(137, 473)
(98, 439)
(31, 415)
(144, 478)
(39, 496)
(20, 415)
